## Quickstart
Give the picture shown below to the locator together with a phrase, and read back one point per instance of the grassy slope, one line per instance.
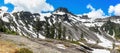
(10, 47)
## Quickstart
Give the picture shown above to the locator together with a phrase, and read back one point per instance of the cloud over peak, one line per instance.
(90, 7)
(30, 5)
(95, 13)
(114, 9)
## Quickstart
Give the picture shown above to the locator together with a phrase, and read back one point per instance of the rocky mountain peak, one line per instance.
(84, 17)
(62, 9)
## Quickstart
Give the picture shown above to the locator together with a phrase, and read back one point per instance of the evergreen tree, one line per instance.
(38, 27)
(64, 31)
(59, 30)
(47, 33)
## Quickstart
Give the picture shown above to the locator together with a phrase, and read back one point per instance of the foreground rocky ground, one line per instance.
(42, 46)
(11, 43)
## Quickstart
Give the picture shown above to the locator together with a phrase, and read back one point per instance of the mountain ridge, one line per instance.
(60, 24)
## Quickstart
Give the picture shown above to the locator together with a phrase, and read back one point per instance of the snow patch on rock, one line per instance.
(61, 46)
(100, 51)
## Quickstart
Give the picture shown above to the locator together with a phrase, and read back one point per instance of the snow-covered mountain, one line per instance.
(64, 25)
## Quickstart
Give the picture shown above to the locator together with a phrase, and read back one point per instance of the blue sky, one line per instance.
(79, 6)
(74, 6)
(10, 6)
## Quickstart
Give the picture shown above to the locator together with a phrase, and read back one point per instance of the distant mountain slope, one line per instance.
(61, 24)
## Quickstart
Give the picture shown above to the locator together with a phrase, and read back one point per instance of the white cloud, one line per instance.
(111, 9)
(114, 9)
(30, 5)
(95, 13)
(90, 7)
(4, 8)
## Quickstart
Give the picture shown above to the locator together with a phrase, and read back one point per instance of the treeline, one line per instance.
(5, 29)
(50, 28)
(112, 28)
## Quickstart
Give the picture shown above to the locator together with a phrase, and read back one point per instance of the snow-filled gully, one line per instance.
(105, 43)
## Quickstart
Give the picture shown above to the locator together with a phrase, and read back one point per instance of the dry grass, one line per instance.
(7, 47)
(118, 49)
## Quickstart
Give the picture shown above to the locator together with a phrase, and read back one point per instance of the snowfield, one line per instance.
(105, 43)
(5, 19)
(100, 51)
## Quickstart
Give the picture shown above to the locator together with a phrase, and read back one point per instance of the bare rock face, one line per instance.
(62, 9)
(44, 46)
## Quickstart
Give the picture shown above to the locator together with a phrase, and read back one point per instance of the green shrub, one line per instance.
(10, 32)
(74, 42)
(24, 50)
